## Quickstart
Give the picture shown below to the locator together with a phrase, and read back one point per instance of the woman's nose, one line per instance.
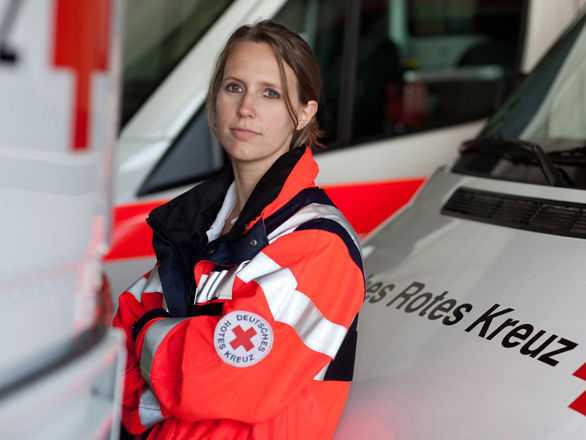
(246, 107)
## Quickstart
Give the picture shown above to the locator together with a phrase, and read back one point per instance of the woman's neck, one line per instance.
(244, 186)
(246, 177)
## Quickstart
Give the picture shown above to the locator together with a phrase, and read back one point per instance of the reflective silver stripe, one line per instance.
(322, 373)
(143, 284)
(152, 340)
(154, 282)
(214, 285)
(292, 307)
(205, 288)
(137, 288)
(224, 289)
(200, 285)
(149, 409)
(312, 212)
(217, 285)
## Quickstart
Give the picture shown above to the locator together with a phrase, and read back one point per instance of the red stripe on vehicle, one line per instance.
(580, 403)
(82, 30)
(365, 206)
(131, 236)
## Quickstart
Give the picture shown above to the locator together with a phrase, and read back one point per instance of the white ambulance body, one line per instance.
(404, 81)
(61, 365)
(474, 323)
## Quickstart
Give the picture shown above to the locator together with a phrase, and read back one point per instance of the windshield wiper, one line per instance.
(574, 156)
(502, 145)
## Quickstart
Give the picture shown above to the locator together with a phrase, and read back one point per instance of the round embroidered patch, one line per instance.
(243, 338)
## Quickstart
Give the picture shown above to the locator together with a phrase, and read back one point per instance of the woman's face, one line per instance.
(253, 123)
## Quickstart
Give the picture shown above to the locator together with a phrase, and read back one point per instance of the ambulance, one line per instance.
(404, 81)
(474, 323)
(61, 366)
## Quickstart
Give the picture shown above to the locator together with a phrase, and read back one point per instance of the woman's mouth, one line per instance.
(242, 133)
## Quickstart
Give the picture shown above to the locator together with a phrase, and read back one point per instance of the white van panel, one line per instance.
(407, 157)
(418, 366)
(78, 400)
(60, 370)
(540, 20)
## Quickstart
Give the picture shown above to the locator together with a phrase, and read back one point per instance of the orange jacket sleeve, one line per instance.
(137, 403)
(304, 286)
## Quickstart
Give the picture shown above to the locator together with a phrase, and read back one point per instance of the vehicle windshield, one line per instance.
(543, 124)
(149, 56)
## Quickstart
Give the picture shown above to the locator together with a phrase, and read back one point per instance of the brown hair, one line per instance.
(288, 47)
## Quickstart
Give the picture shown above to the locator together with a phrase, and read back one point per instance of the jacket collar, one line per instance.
(180, 226)
(193, 212)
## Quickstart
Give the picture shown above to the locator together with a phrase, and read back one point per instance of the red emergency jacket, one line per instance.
(256, 341)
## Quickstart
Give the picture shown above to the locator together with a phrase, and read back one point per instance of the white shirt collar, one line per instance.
(227, 207)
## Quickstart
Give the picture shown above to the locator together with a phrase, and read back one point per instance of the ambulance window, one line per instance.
(195, 155)
(322, 23)
(425, 64)
(173, 28)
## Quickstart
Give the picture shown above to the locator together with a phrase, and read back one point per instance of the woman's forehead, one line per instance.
(256, 57)
(258, 60)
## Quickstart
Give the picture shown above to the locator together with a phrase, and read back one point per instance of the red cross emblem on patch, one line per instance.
(242, 338)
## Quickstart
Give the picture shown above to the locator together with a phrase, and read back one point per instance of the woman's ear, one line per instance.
(306, 113)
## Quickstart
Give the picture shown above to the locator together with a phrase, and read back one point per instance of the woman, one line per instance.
(241, 329)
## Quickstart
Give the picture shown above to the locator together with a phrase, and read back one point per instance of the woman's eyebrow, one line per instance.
(231, 78)
(265, 83)
(270, 84)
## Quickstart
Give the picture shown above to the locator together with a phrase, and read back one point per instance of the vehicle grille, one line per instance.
(531, 214)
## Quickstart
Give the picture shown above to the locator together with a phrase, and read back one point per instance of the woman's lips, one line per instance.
(243, 133)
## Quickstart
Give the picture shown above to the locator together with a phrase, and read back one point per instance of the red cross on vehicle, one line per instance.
(580, 403)
(243, 338)
(81, 44)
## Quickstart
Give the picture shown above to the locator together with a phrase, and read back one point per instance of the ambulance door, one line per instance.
(61, 364)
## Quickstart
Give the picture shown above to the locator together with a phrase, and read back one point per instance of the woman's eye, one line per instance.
(271, 94)
(232, 87)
